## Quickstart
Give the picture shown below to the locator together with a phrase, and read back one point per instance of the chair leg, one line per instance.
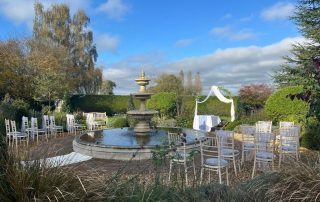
(234, 165)
(186, 173)
(201, 175)
(280, 158)
(170, 168)
(194, 170)
(220, 177)
(227, 173)
(242, 155)
(254, 167)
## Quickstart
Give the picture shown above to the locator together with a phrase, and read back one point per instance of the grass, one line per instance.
(296, 181)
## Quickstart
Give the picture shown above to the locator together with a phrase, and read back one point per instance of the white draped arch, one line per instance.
(215, 90)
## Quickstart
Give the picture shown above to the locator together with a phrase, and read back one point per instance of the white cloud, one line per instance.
(106, 42)
(184, 42)
(114, 9)
(226, 16)
(278, 11)
(230, 67)
(22, 11)
(232, 34)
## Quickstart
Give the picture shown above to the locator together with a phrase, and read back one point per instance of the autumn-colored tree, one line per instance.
(254, 96)
(107, 87)
(15, 75)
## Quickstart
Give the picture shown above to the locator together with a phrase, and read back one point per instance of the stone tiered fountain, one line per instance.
(143, 115)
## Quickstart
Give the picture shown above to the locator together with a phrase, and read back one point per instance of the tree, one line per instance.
(167, 83)
(56, 27)
(197, 84)
(15, 75)
(107, 87)
(300, 67)
(181, 76)
(253, 97)
(189, 86)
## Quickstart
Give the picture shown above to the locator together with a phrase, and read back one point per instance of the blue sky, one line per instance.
(231, 43)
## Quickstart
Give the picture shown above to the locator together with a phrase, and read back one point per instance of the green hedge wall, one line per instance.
(115, 104)
(111, 104)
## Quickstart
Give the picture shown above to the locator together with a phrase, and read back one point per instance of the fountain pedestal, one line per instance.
(143, 115)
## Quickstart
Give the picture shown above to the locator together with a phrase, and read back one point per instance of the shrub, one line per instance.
(280, 107)
(185, 121)
(311, 136)
(163, 102)
(117, 122)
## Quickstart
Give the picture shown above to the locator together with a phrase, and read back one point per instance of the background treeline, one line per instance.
(59, 58)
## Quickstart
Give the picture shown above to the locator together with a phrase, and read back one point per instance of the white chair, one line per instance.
(211, 159)
(8, 131)
(72, 126)
(18, 136)
(46, 124)
(228, 152)
(179, 154)
(286, 124)
(289, 143)
(54, 128)
(247, 133)
(264, 127)
(264, 151)
(25, 125)
(36, 131)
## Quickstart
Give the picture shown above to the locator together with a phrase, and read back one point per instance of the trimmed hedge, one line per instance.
(279, 107)
(164, 102)
(118, 104)
(111, 104)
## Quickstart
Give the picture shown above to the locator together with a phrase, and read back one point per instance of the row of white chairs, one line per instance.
(218, 153)
(72, 126)
(260, 141)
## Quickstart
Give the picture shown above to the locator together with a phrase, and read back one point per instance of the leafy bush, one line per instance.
(164, 102)
(163, 122)
(117, 122)
(311, 136)
(184, 121)
(280, 107)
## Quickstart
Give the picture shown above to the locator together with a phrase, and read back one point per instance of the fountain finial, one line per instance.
(142, 76)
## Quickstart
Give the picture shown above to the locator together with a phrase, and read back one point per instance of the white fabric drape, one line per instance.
(215, 90)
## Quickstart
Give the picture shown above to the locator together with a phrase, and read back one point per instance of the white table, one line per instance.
(205, 122)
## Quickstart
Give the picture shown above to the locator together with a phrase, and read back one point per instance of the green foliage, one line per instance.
(311, 136)
(184, 122)
(281, 108)
(117, 122)
(167, 83)
(66, 103)
(164, 102)
(111, 104)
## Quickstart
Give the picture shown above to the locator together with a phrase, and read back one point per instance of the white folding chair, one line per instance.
(54, 128)
(264, 151)
(8, 131)
(36, 131)
(228, 152)
(18, 136)
(211, 159)
(247, 133)
(289, 143)
(179, 154)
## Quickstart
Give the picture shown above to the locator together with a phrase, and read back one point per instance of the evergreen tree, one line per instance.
(197, 84)
(181, 76)
(300, 67)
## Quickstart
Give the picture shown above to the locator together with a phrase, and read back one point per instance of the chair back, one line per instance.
(225, 138)
(8, 129)
(289, 137)
(264, 142)
(24, 124)
(14, 128)
(52, 122)
(247, 132)
(263, 126)
(209, 148)
(286, 124)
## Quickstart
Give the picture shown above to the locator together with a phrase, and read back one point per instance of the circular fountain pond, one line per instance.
(124, 144)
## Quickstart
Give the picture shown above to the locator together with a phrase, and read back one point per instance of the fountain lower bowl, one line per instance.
(124, 144)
